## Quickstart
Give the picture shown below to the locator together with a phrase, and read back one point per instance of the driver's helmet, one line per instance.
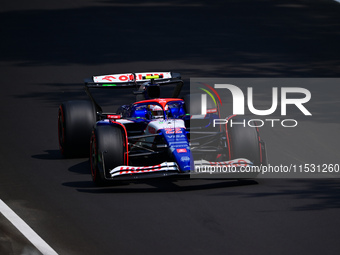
(156, 112)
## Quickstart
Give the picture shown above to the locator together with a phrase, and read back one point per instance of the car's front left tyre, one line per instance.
(106, 152)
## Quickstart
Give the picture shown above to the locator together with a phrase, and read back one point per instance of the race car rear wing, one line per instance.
(133, 80)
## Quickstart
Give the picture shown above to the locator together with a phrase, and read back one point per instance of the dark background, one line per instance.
(49, 47)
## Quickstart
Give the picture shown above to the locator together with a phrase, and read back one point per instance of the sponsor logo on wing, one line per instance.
(182, 150)
(128, 77)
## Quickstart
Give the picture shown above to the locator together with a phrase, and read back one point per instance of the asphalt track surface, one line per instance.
(49, 47)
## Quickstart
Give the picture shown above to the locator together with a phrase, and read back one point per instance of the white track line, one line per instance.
(33, 237)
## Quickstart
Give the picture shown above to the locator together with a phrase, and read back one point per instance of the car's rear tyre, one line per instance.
(244, 141)
(107, 152)
(75, 123)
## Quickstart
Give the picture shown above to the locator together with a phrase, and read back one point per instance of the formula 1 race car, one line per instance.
(152, 137)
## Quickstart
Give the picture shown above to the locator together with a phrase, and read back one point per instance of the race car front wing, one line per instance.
(129, 170)
(169, 168)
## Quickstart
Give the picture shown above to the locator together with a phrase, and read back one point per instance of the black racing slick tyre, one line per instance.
(75, 123)
(107, 152)
(244, 141)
